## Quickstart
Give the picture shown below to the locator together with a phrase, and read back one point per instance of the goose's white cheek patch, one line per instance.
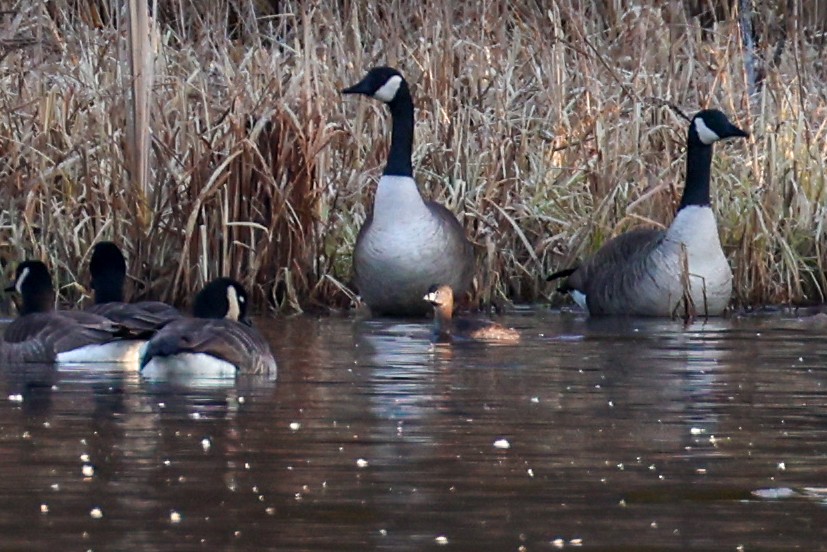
(387, 92)
(706, 134)
(18, 285)
(234, 308)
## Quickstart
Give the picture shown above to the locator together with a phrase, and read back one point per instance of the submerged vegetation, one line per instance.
(547, 127)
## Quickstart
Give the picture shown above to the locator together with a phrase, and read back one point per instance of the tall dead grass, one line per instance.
(543, 126)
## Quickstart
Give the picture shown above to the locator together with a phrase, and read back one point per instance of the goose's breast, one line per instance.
(406, 249)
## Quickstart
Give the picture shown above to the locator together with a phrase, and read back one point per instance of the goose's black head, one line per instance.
(382, 83)
(709, 126)
(222, 298)
(108, 269)
(34, 284)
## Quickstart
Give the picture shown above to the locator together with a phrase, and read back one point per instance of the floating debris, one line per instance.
(362, 463)
(781, 492)
(174, 517)
(441, 540)
(206, 444)
(88, 470)
(18, 398)
(295, 426)
(502, 444)
(44, 508)
(96, 513)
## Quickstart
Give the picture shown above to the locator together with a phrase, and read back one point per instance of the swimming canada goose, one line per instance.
(107, 267)
(680, 271)
(42, 334)
(406, 243)
(446, 328)
(218, 342)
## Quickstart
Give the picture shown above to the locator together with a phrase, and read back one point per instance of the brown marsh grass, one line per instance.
(544, 125)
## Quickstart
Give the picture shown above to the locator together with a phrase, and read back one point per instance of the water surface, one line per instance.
(589, 435)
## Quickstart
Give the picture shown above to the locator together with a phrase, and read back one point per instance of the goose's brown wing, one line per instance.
(236, 343)
(617, 257)
(144, 318)
(33, 350)
(60, 331)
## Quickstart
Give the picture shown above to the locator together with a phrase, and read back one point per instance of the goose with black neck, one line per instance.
(107, 267)
(680, 271)
(406, 243)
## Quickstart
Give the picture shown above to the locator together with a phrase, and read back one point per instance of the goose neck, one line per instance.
(402, 134)
(40, 301)
(108, 290)
(698, 173)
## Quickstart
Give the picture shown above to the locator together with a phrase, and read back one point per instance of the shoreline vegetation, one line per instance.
(545, 126)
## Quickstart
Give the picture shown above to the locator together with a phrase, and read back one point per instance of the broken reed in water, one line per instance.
(545, 129)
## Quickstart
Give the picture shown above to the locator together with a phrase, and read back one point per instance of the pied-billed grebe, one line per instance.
(406, 242)
(446, 327)
(678, 271)
(108, 270)
(43, 334)
(218, 342)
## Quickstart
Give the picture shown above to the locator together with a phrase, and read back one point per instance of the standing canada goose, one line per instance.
(678, 271)
(108, 270)
(446, 328)
(406, 243)
(218, 342)
(42, 334)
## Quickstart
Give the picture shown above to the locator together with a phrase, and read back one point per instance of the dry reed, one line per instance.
(543, 125)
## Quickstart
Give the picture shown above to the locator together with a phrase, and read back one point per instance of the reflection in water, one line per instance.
(627, 434)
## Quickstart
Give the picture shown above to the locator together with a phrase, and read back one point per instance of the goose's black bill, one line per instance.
(358, 88)
(735, 132)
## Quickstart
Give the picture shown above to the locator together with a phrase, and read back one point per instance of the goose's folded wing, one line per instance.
(60, 331)
(144, 318)
(616, 256)
(228, 340)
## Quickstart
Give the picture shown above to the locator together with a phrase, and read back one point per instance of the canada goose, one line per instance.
(108, 270)
(42, 334)
(217, 343)
(678, 271)
(406, 243)
(446, 328)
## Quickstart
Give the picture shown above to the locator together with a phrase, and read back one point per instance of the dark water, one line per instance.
(623, 435)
